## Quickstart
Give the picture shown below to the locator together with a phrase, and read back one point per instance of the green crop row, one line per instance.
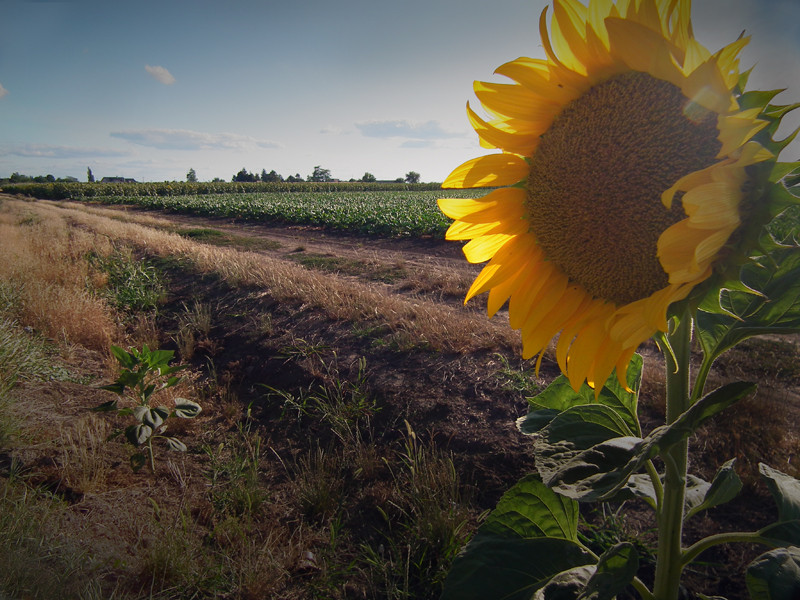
(77, 190)
(385, 213)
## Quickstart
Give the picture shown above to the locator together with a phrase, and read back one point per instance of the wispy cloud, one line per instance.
(160, 74)
(430, 130)
(49, 151)
(183, 139)
(3, 91)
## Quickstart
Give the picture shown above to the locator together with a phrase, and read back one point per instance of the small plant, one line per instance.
(144, 374)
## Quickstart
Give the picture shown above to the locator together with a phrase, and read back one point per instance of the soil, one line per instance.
(467, 403)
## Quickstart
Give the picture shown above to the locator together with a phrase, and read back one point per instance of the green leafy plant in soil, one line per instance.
(144, 374)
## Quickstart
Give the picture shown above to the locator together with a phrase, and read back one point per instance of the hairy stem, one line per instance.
(670, 517)
(722, 538)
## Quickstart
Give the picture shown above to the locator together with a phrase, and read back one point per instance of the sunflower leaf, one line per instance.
(775, 575)
(559, 396)
(785, 489)
(724, 488)
(599, 472)
(530, 509)
(527, 539)
(492, 566)
(777, 311)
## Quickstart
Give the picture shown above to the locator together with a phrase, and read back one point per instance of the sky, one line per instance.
(149, 90)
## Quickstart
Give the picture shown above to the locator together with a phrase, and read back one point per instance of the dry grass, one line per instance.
(84, 457)
(44, 261)
(439, 327)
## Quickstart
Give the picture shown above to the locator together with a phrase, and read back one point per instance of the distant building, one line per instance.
(117, 180)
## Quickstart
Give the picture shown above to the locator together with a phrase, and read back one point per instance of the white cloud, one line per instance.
(183, 139)
(49, 151)
(160, 74)
(430, 130)
(3, 91)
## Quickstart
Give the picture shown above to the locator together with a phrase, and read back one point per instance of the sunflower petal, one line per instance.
(488, 171)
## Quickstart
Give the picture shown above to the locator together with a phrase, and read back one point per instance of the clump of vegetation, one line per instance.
(132, 285)
(145, 373)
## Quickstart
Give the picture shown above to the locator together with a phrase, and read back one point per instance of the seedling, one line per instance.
(145, 373)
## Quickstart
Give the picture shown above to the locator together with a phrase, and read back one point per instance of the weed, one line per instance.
(301, 349)
(83, 466)
(318, 483)
(519, 380)
(430, 529)
(133, 285)
(233, 475)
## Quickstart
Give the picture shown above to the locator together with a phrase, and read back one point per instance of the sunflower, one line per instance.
(622, 180)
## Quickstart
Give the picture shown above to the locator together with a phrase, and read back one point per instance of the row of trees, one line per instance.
(19, 178)
(319, 175)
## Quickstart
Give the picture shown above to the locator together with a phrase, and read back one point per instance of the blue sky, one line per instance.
(151, 89)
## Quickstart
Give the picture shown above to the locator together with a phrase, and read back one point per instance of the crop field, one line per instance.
(357, 422)
(381, 212)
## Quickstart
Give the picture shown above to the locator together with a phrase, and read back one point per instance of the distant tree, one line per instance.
(89, 175)
(272, 176)
(243, 175)
(412, 177)
(295, 178)
(399, 180)
(217, 180)
(191, 176)
(320, 174)
(368, 178)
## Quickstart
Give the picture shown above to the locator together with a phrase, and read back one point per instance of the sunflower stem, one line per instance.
(670, 522)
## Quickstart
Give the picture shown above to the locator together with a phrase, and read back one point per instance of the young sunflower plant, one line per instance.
(634, 196)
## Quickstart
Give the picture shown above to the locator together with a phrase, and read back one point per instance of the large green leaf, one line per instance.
(559, 396)
(530, 509)
(186, 409)
(775, 575)
(738, 315)
(505, 568)
(615, 570)
(724, 488)
(785, 490)
(783, 533)
(138, 434)
(530, 537)
(568, 585)
(600, 471)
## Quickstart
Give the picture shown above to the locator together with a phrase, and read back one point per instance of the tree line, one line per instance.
(318, 175)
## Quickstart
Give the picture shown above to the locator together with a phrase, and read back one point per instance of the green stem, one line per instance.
(722, 538)
(670, 516)
(150, 452)
(655, 479)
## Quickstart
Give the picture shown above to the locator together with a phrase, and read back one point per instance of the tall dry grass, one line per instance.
(428, 323)
(43, 259)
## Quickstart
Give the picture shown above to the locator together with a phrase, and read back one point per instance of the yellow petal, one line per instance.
(504, 204)
(488, 171)
(495, 137)
(463, 230)
(529, 292)
(502, 291)
(516, 255)
(737, 129)
(713, 206)
(568, 34)
(535, 75)
(642, 49)
(483, 248)
(516, 101)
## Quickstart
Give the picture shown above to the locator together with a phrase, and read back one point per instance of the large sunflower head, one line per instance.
(630, 160)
